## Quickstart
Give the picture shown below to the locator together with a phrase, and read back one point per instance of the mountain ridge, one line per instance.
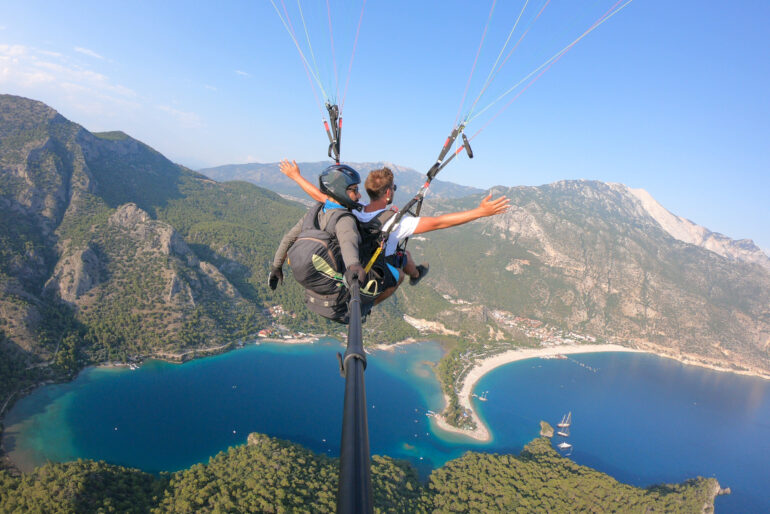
(743, 250)
(585, 256)
(91, 267)
(269, 176)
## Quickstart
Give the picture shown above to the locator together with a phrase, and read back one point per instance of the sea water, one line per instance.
(639, 418)
(642, 419)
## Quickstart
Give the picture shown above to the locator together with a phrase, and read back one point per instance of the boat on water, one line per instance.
(564, 432)
(483, 396)
(566, 421)
(564, 445)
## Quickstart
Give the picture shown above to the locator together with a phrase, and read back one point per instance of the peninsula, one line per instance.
(481, 432)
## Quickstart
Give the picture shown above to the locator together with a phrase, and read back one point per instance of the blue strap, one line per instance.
(393, 271)
(330, 204)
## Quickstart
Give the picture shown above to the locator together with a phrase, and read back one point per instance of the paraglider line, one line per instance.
(547, 64)
(307, 36)
(287, 25)
(352, 56)
(478, 51)
(334, 54)
(493, 71)
(489, 81)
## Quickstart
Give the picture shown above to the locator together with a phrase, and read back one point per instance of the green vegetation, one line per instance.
(80, 486)
(115, 135)
(270, 475)
(539, 480)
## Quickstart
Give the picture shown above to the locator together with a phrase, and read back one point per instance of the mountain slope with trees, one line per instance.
(270, 475)
(112, 252)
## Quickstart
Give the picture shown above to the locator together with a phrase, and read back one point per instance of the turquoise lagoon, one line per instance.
(640, 418)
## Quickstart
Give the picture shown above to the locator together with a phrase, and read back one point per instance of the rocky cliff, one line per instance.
(85, 253)
(589, 257)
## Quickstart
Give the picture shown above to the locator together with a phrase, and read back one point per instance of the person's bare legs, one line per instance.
(410, 268)
(414, 271)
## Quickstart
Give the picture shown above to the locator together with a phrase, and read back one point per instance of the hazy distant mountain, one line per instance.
(269, 176)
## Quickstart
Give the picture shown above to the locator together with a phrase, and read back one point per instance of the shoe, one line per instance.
(422, 269)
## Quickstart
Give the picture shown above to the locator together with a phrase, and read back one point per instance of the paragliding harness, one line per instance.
(317, 264)
(414, 205)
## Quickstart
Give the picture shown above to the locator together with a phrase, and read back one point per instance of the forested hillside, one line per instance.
(270, 475)
(112, 252)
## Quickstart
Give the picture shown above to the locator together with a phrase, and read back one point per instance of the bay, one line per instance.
(640, 418)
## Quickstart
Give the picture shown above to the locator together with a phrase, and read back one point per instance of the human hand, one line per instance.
(276, 275)
(290, 169)
(355, 271)
(489, 207)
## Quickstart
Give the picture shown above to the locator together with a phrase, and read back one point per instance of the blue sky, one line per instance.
(671, 97)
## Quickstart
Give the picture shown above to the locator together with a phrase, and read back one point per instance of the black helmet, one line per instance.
(335, 180)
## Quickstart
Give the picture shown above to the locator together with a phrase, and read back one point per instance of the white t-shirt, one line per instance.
(404, 229)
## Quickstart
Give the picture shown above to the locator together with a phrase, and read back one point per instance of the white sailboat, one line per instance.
(564, 432)
(564, 445)
(566, 421)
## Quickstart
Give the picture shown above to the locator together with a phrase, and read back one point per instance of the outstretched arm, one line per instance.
(486, 208)
(291, 170)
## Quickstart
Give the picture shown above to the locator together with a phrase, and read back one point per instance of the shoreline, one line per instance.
(481, 433)
(484, 366)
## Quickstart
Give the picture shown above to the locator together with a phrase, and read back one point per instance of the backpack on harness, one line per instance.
(316, 263)
(372, 237)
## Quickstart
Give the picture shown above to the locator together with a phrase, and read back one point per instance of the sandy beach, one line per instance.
(481, 433)
(308, 339)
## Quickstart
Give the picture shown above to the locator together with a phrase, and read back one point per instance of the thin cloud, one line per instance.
(68, 85)
(90, 53)
(27, 66)
(186, 119)
(210, 88)
(242, 73)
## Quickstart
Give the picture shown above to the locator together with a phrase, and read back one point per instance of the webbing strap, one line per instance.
(334, 132)
(344, 360)
(432, 172)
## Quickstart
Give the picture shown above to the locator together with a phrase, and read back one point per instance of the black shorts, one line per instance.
(397, 260)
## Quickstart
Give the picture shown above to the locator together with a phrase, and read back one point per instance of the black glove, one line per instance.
(276, 274)
(355, 271)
